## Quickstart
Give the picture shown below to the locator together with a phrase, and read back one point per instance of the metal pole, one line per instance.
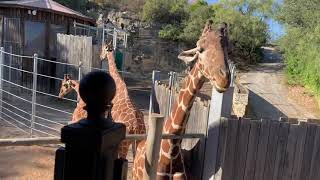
(10, 64)
(79, 71)
(102, 35)
(1, 76)
(125, 40)
(74, 28)
(34, 92)
(79, 75)
(172, 80)
(155, 77)
(233, 72)
(115, 38)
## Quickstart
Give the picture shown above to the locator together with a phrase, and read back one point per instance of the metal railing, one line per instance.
(31, 121)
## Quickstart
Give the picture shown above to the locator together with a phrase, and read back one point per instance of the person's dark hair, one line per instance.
(97, 89)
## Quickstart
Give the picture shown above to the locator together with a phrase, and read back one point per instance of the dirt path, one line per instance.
(271, 97)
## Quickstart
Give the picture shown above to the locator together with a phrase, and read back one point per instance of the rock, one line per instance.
(143, 39)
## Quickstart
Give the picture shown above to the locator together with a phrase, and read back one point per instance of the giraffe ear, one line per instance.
(189, 55)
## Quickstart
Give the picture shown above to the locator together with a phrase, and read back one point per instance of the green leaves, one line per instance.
(184, 22)
(301, 43)
(164, 11)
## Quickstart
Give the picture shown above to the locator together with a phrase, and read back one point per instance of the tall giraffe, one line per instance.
(124, 109)
(211, 64)
(67, 85)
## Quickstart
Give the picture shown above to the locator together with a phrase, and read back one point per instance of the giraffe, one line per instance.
(210, 63)
(67, 85)
(124, 109)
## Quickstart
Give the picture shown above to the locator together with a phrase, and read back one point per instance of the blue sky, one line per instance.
(275, 28)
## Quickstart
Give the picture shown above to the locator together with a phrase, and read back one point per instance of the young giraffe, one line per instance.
(124, 109)
(210, 64)
(67, 85)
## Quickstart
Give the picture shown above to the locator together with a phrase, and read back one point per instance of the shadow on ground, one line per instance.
(261, 108)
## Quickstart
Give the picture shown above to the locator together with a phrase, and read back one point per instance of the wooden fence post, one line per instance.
(153, 146)
(220, 106)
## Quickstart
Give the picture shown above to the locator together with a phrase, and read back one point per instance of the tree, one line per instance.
(247, 32)
(200, 12)
(164, 11)
(301, 43)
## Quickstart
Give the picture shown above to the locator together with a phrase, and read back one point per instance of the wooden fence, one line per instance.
(75, 50)
(264, 150)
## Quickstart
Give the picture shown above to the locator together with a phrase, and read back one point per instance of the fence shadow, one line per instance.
(261, 108)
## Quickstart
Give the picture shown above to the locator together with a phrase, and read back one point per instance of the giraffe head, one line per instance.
(66, 85)
(211, 55)
(105, 50)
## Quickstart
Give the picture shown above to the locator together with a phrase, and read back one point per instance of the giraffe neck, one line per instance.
(177, 120)
(170, 152)
(121, 88)
(76, 88)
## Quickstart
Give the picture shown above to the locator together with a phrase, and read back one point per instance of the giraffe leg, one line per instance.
(123, 149)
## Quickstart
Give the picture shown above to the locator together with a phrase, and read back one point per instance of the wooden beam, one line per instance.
(153, 146)
(220, 106)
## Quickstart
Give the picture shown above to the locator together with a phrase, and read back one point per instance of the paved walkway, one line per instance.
(268, 92)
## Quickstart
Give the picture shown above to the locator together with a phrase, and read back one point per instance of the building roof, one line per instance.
(46, 5)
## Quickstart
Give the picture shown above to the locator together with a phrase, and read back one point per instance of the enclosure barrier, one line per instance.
(288, 149)
(20, 104)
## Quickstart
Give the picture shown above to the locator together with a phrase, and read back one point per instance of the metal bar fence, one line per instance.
(25, 112)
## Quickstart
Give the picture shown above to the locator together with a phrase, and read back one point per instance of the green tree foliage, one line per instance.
(164, 11)
(246, 32)
(301, 43)
(78, 5)
(200, 12)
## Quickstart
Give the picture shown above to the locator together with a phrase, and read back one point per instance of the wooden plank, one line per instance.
(220, 106)
(254, 135)
(301, 138)
(308, 150)
(228, 165)
(242, 148)
(262, 149)
(290, 152)
(315, 162)
(221, 148)
(281, 150)
(153, 146)
(271, 151)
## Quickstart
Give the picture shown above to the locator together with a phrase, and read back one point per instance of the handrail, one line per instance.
(53, 108)
(15, 96)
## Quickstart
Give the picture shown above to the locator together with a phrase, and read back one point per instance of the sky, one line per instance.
(276, 30)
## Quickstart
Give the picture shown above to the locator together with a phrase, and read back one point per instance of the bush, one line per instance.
(301, 43)
(300, 47)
